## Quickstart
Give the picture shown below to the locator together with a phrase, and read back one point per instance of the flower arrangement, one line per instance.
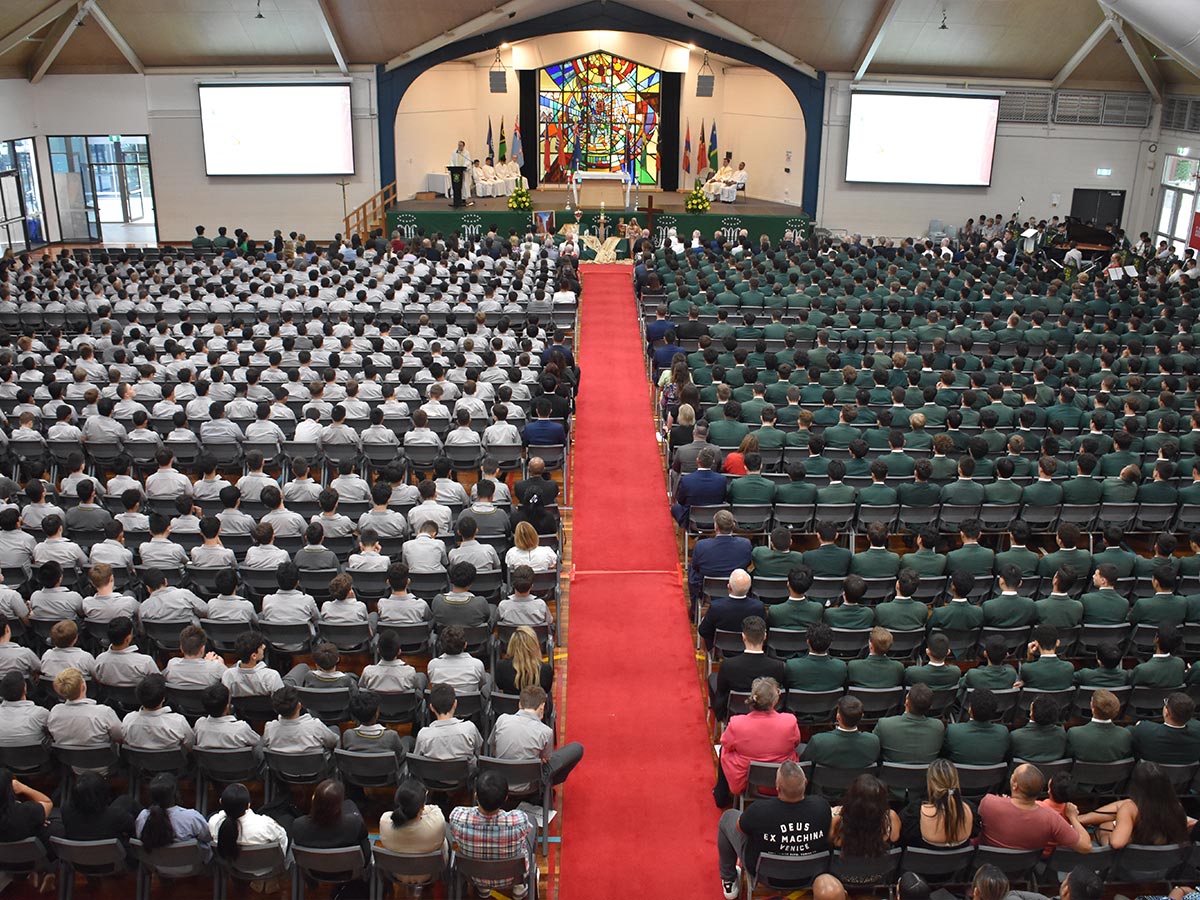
(697, 201)
(520, 199)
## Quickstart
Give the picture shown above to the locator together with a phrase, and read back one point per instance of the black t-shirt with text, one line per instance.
(789, 829)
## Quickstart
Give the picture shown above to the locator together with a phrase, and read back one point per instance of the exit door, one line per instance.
(1098, 207)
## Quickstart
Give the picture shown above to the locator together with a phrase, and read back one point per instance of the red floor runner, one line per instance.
(639, 817)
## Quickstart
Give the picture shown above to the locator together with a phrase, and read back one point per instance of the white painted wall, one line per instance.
(166, 107)
(1031, 161)
(760, 122)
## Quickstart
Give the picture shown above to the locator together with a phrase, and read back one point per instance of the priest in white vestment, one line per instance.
(730, 188)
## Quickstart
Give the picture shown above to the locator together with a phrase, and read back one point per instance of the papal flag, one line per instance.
(687, 149)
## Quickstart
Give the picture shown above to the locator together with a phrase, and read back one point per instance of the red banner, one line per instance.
(1194, 239)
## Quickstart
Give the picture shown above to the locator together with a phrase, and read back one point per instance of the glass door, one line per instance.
(74, 190)
(121, 172)
(1177, 202)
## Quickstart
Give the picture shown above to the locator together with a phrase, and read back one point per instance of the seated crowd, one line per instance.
(941, 518)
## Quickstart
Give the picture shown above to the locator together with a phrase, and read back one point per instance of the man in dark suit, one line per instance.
(1173, 741)
(537, 481)
(737, 673)
(542, 430)
(718, 555)
(727, 613)
(704, 487)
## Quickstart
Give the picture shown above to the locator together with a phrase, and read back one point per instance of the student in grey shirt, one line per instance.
(22, 722)
(368, 559)
(349, 485)
(368, 736)
(169, 604)
(455, 666)
(524, 735)
(16, 546)
(383, 521)
(333, 523)
(155, 726)
(160, 551)
(429, 510)
(313, 554)
(79, 721)
(252, 484)
(296, 731)
(37, 509)
(209, 488)
(195, 669)
(251, 677)
(63, 654)
(523, 608)
(121, 665)
(264, 554)
(112, 550)
(53, 601)
(344, 608)
(212, 554)
(233, 520)
(86, 515)
(168, 482)
(391, 675)
(227, 606)
(425, 553)
(219, 730)
(14, 657)
(326, 675)
(288, 605)
(105, 604)
(482, 556)
(447, 737)
(459, 606)
(56, 548)
(284, 522)
(401, 607)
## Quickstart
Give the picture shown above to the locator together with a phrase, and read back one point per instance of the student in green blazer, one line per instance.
(1164, 669)
(1059, 608)
(958, 613)
(877, 493)
(1043, 739)
(972, 556)
(994, 673)
(912, 737)
(877, 561)
(851, 613)
(1008, 609)
(797, 611)
(1122, 559)
(1101, 740)
(1163, 607)
(845, 747)
(936, 672)
(877, 670)
(903, 613)
(980, 741)
(925, 560)
(752, 487)
(1003, 489)
(828, 560)
(816, 670)
(1108, 672)
(1104, 606)
(837, 491)
(1018, 554)
(1068, 553)
(1044, 670)
(1173, 741)
(777, 559)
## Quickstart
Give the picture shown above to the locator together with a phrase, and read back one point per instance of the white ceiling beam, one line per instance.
(114, 35)
(34, 25)
(331, 35)
(1136, 52)
(724, 28)
(54, 42)
(490, 20)
(1082, 53)
(875, 37)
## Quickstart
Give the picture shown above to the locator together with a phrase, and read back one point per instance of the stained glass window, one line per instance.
(599, 113)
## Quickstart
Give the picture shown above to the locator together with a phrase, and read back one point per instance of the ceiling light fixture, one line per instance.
(259, 14)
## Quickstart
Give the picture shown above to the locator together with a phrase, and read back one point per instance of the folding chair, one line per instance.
(93, 859)
(326, 866)
(173, 862)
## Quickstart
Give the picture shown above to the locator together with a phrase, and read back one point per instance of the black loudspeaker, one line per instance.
(704, 85)
(498, 81)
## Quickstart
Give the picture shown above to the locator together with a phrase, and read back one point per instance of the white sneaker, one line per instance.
(520, 891)
(733, 889)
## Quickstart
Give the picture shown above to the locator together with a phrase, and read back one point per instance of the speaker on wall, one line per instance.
(704, 85)
(498, 81)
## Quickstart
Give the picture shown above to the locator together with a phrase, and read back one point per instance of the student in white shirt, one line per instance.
(237, 826)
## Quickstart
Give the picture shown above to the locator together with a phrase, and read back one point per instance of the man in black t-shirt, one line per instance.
(791, 824)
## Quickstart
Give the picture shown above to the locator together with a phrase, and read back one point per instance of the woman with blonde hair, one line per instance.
(735, 462)
(682, 431)
(527, 551)
(522, 665)
(944, 820)
(762, 735)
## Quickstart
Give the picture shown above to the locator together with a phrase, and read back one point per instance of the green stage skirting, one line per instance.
(472, 224)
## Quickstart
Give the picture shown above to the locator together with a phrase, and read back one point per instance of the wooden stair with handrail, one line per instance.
(364, 219)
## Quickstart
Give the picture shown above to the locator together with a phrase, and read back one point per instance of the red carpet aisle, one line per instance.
(639, 816)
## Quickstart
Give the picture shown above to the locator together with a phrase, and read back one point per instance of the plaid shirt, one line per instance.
(501, 836)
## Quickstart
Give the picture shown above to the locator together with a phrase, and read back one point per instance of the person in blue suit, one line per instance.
(542, 431)
(704, 487)
(728, 613)
(718, 556)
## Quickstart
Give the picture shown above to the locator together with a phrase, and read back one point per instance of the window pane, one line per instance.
(1166, 213)
(1180, 171)
(1183, 219)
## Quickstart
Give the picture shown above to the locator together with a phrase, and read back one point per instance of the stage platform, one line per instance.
(758, 217)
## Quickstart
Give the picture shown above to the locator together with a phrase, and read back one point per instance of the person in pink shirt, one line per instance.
(1020, 823)
(762, 735)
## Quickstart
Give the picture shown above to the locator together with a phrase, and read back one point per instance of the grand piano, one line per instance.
(1094, 243)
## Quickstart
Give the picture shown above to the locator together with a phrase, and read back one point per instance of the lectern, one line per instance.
(457, 173)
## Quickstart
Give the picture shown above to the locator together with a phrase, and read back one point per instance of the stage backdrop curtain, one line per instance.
(668, 130)
(527, 79)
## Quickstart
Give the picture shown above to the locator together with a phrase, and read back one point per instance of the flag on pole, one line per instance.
(713, 159)
(687, 149)
(503, 143)
(491, 150)
(518, 153)
(701, 153)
